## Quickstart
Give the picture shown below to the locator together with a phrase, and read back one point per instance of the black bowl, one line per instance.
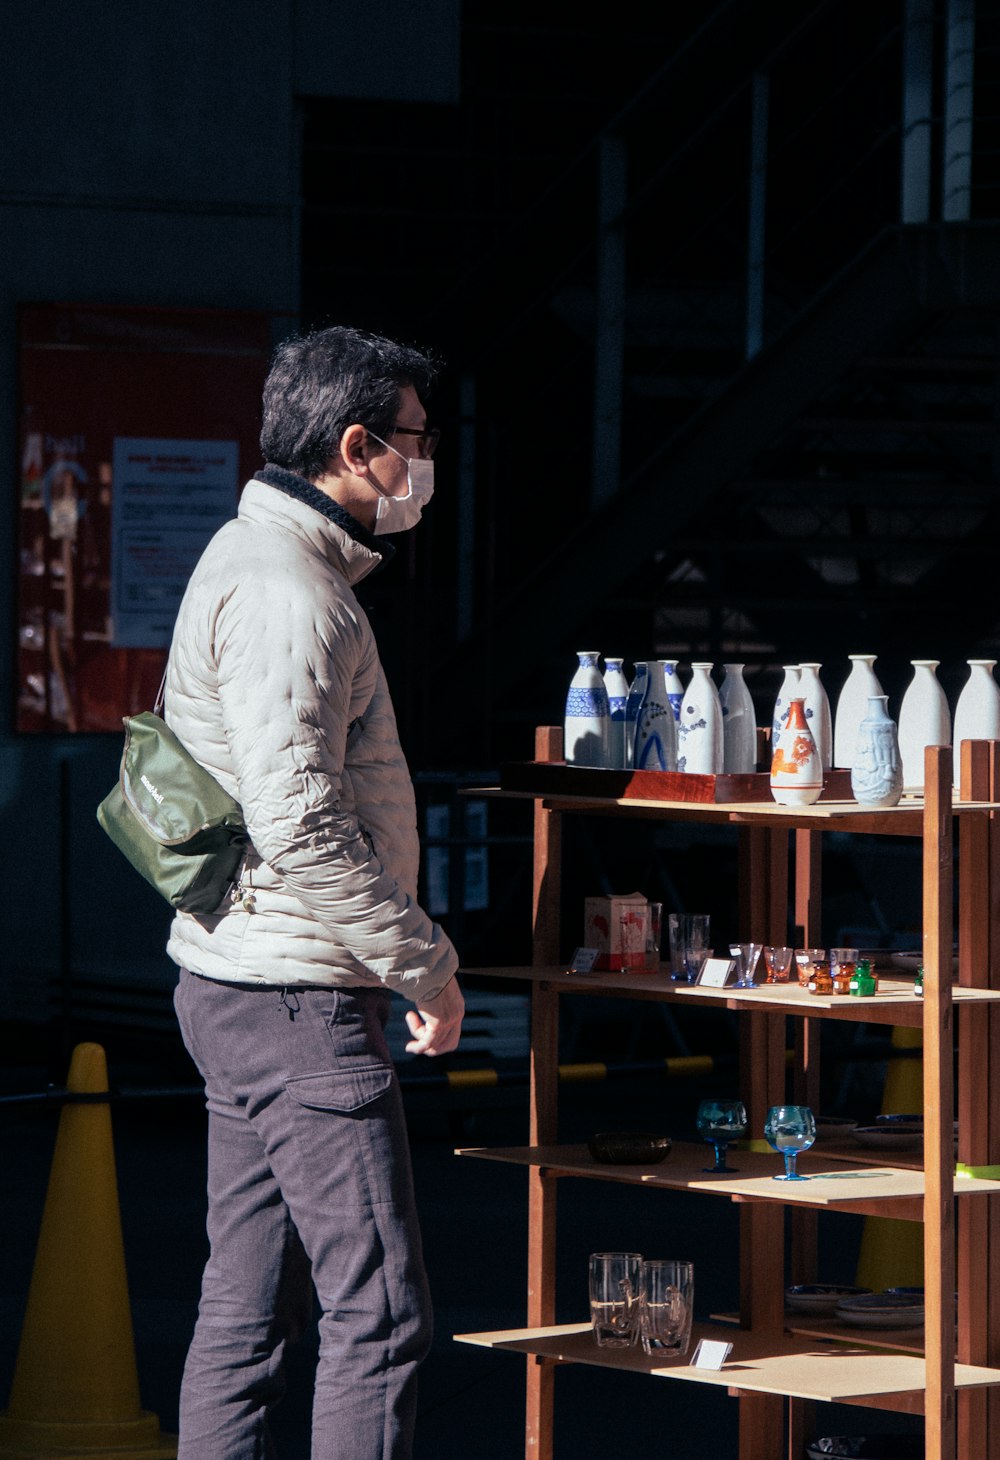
(628, 1148)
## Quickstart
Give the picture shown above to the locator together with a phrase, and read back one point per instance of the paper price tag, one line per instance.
(716, 973)
(583, 960)
(711, 1353)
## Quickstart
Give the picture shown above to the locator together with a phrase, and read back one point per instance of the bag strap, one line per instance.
(158, 706)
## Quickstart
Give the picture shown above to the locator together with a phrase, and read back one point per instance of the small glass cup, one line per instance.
(654, 934)
(632, 923)
(807, 960)
(843, 967)
(689, 945)
(666, 1307)
(747, 956)
(778, 962)
(615, 1289)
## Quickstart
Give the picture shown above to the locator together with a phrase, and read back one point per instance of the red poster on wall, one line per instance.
(137, 429)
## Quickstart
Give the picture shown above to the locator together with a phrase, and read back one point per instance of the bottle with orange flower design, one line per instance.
(796, 770)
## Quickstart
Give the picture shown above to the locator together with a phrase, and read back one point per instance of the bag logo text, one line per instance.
(152, 790)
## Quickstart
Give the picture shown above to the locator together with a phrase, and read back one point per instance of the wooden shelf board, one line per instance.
(833, 1182)
(802, 1369)
(894, 1004)
(905, 1340)
(906, 819)
(831, 1330)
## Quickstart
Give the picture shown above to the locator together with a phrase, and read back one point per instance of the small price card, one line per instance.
(583, 960)
(711, 1353)
(716, 973)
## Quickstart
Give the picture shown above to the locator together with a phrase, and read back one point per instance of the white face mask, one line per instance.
(399, 514)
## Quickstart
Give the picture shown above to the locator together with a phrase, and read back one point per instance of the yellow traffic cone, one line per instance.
(892, 1252)
(76, 1390)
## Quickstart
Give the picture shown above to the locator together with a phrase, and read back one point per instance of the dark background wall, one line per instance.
(717, 299)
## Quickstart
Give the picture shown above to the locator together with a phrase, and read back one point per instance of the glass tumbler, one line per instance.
(666, 1307)
(615, 1286)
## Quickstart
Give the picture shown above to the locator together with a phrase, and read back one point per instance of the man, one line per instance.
(275, 686)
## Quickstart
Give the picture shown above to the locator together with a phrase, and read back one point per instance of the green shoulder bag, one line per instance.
(172, 819)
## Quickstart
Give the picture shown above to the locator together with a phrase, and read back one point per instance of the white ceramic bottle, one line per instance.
(617, 687)
(701, 744)
(586, 727)
(817, 708)
(655, 730)
(852, 707)
(977, 714)
(789, 687)
(924, 719)
(739, 723)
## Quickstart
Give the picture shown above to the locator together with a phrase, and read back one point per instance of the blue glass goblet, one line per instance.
(721, 1121)
(790, 1129)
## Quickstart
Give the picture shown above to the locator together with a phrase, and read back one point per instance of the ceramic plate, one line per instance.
(882, 1310)
(819, 1297)
(834, 1127)
(890, 1137)
(910, 962)
(867, 1447)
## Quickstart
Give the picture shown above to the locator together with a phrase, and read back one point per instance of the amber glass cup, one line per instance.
(807, 961)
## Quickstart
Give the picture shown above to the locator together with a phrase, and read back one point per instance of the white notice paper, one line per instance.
(168, 497)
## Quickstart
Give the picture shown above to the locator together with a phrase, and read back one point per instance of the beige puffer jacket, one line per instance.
(274, 685)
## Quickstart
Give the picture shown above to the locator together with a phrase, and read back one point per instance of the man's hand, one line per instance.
(436, 1023)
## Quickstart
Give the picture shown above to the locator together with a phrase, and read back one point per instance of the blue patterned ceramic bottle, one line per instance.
(655, 728)
(877, 768)
(701, 747)
(632, 706)
(617, 687)
(675, 689)
(587, 725)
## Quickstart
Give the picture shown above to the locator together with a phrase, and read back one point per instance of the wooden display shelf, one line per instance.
(895, 1003)
(800, 1368)
(882, 1190)
(906, 819)
(867, 1368)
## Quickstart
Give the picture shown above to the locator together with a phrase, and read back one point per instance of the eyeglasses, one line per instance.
(426, 440)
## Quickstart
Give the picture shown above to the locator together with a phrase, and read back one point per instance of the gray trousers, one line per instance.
(309, 1183)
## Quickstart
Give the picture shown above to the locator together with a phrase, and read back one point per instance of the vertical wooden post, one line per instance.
(543, 1081)
(992, 1262)
(939, 1161)
(975, 1069)
(805, 1081)
(763, 915)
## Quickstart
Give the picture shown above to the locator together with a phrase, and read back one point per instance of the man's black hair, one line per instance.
(321, 383)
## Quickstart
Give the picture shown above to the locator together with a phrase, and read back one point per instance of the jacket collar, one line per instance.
(362, 553)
